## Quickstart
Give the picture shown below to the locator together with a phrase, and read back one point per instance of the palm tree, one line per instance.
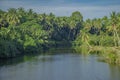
(113, 28)
(85, 38)
(23, 14)
(88, 24)
(118, 28)
(31, 14)
(12, 17)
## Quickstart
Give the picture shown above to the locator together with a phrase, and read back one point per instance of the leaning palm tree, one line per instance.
(85, 38)
(85, 47)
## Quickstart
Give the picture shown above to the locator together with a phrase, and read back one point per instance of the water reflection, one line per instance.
(58, 66)
(114, 72)
(15, 61)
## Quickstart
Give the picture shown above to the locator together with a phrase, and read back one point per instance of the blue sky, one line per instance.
(88, 8)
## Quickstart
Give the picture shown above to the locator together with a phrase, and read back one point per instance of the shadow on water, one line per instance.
(17, 60)
(52, 51)
(29, 57)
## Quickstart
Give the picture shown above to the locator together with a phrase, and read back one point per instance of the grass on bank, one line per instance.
(109, 54)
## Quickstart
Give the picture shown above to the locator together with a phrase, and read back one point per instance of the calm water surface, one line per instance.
(67, 66)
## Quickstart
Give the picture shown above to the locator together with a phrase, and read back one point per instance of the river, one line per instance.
(58, 66)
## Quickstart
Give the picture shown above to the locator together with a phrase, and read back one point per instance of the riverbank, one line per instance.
(109, 54)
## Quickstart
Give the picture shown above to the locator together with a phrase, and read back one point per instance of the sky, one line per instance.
(88, 8)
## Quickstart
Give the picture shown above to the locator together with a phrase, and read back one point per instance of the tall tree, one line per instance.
(21, 11)
(113, 28)
(12, 17)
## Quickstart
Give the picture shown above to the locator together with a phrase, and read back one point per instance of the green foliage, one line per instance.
(9, 48)
(24, 31)
(111, 55)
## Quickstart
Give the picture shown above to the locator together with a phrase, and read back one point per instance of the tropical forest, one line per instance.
(25, 32)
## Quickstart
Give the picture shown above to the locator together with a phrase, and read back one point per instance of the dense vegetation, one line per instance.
(28, 32)
(24, 31)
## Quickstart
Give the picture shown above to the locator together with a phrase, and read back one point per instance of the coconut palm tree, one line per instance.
(21, 11)
(113, 27)
(85, 38)
(12, 17)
